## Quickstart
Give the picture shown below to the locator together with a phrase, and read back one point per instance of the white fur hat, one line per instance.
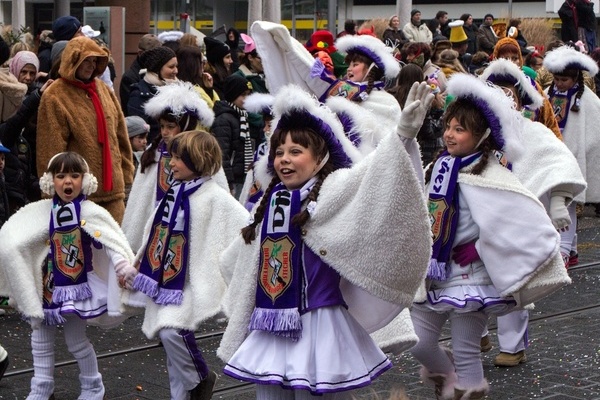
(373, 48)
(566, 57)
(259, 103)
(296, 109)
(504, 121)
(179, 98)
(502, 70)
(170, 36)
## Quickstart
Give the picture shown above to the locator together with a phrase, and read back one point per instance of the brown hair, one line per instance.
(201, 148)
(69, 161)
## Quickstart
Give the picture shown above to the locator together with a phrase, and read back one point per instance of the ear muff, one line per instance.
(89, 183)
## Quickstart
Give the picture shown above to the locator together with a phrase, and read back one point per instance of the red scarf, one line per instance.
(90, 88)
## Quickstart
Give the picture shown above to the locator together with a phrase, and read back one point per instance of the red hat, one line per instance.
(321, 41)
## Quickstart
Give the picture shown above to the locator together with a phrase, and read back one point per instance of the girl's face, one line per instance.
(169, 70)
(139, 142)
(564, 83)
(459, 141)
(294, 163)
(67, 185)
(180, 171)
(168, 129)
(513, 57)
(469, 21)
(357, 71)
(227, 61)
(27, 74)
(239, 101)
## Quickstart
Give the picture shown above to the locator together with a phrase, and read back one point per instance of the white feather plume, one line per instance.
(566, 57)
(179, 97)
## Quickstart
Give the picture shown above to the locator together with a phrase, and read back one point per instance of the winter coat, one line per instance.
(394, 38)
(486, 38)
(419, 33)
(12, 93)
(471, 32)
(140, 93)
(131, 76)
(67, 122)
(44, 56)
(226, 129)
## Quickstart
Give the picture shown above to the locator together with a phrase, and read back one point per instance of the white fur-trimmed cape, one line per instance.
(25, 245)
(370, 224)
(217, 219)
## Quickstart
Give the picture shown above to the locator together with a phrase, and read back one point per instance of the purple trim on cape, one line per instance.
(490, 116)
(348, 124)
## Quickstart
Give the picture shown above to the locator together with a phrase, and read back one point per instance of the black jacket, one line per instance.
(131, 76)
(140, 93)
(226, 129)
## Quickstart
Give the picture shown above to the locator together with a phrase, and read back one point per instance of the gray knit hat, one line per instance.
(136, 126)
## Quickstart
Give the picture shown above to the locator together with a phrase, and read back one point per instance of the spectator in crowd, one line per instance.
(161, 69)
(66, 28)
(578, 22)
(251, 65)
(219, 65)
(393, 36)
(434, 27)
(349, 28)
(486, 37)
(79, 113)
(450, 63)
(514, 31)
(4, 209)
(437, 49)
(12, 91)
(233, 41)
(534, 60)
(137, 130)
(191, 69)
(442, 18)
(460, 42)
(189, 39)
(44, 49)
(416, 30)
(420, 54)
(471, 32)
(132, 75)
(322, 42)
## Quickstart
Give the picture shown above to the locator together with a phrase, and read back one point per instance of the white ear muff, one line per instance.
(46, 184)
(89, 184)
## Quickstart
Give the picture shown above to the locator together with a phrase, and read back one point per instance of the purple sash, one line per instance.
(164, 264)
(164, 177)
(443, 210)
(279, 276)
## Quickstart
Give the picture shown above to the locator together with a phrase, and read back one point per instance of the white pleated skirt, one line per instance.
(334, 354)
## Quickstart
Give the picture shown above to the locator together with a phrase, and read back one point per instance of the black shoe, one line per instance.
(3, 366)
(204, 389)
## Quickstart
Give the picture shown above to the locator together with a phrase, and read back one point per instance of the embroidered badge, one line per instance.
(437, 209)
(69, 253)
(156, 246)
(173, 264)
(275, 273)
(165, 177)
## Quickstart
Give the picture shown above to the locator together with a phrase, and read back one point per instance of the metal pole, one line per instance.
(510, 9)
(332, 16)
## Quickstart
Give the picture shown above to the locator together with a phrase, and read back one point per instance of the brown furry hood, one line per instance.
(77, 50)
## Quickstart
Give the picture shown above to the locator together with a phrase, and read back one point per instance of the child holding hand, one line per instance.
(60, 264)
(192, 224)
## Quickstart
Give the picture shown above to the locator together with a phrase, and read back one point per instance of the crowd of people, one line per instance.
(334, 199)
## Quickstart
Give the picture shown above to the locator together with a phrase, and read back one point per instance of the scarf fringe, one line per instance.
(169, 296)
(284, 322)
(437, 270)
(53, 317)
(146, 285)
(72, 292)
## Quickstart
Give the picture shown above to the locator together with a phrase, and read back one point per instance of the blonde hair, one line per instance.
(200, 148)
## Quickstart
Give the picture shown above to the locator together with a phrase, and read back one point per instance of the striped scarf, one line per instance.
(245, 135)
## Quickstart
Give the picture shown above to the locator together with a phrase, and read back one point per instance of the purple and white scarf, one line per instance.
(443, 210)
(280, 265)
(164, 177)
(166, 257)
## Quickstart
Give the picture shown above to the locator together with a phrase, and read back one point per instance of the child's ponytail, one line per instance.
(249, 232)
(148, 156)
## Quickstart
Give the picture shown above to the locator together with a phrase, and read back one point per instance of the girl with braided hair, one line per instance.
(577, 110)
(323, 233)
(492, 239)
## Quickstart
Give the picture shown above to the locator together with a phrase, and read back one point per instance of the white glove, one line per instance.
(415, 109)
(559, 214)
(126, 274)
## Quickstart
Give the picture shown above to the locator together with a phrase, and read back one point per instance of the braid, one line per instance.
(575, 106)
(301, 218)
(148, 157)
(486, 149)
(249, 232)
(432, 164)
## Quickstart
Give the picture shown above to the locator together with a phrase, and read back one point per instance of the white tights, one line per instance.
(276, 392)
(42, 348)
(466, 330)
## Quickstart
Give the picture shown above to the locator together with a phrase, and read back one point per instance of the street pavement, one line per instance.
(563, 357)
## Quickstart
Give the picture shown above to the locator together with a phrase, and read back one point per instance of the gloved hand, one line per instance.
(465, 254)
(126, 274)
(559, 214)
(415, 110)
